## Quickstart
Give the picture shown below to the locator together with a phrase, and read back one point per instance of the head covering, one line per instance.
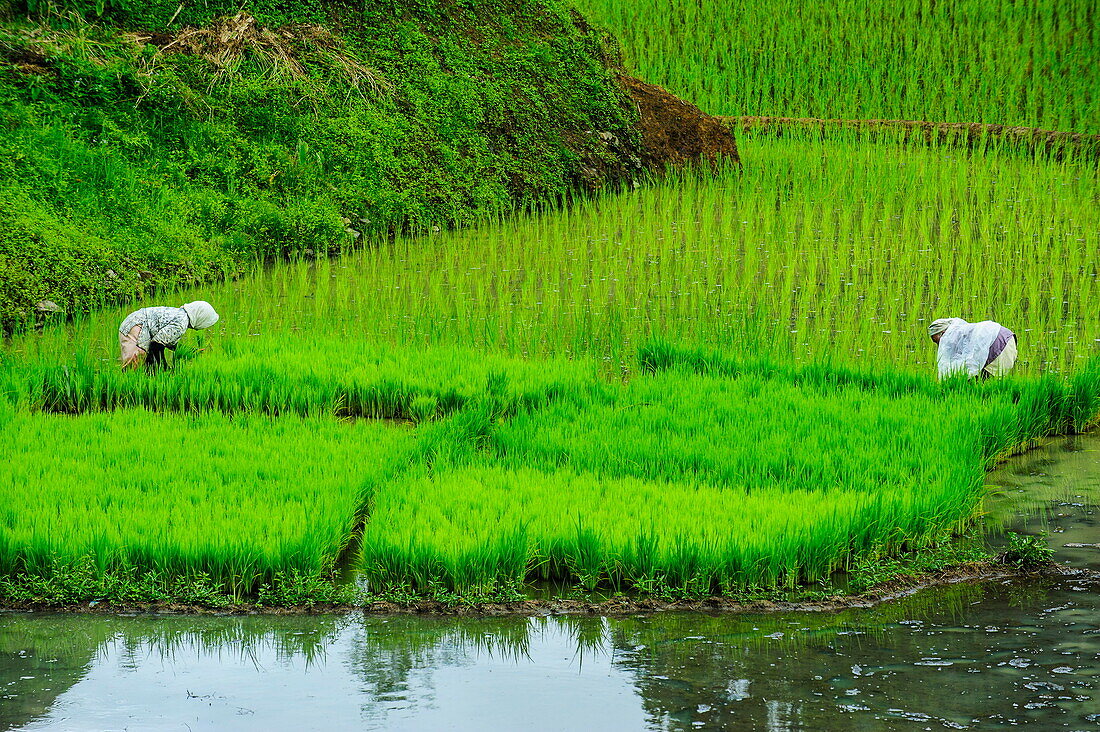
(939, 326)
(201, 314)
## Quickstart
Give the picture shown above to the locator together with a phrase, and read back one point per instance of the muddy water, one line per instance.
(962, 657)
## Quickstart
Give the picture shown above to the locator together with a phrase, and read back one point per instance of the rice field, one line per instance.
(816, 250)
(991, 61)
(237, 501)
(705, 384)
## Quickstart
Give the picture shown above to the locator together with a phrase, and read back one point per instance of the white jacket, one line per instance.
(965, 346)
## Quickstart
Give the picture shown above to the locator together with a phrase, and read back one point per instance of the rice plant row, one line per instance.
(277, 375)
(991, 61)
(236, 501)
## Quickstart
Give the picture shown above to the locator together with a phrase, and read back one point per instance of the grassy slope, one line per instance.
(118, 158)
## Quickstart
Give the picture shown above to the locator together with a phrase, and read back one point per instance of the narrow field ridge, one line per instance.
(959, 133)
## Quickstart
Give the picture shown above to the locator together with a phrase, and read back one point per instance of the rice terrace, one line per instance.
(528, 309)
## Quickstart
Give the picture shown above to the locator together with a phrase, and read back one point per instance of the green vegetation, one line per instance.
(1024, 550)
(232, 503)
(136, 154)
(992, 61)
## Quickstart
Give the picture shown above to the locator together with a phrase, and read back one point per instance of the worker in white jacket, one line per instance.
(146, 333)
(980, 349)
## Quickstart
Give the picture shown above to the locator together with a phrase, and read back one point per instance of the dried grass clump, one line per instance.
(285, 51)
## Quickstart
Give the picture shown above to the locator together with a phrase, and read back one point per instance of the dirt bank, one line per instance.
(885, 592)
(1050, 142)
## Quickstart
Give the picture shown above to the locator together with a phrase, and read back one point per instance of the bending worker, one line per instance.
(980, 349)
(145, 333)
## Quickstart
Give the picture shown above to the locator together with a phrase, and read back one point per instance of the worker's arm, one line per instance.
(156, 358)
(134, 358)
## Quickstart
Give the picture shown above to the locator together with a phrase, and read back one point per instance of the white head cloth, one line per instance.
(939, 326)
(201, 314)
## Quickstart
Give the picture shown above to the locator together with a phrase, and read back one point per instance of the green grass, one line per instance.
(124, 168)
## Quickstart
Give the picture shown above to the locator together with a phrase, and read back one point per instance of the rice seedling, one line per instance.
(684, 481)
(996, 61)
(240, 501)
(816, 251)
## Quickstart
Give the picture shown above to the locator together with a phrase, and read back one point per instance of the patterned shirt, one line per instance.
(163, 325)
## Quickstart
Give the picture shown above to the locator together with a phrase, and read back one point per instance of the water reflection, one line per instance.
(960, 657)
(1008, 654)
(1055, 489)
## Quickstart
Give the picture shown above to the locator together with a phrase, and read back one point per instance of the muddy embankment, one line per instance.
(991, 571)
(957, 134)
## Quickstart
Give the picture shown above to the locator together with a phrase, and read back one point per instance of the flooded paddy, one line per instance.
(968, 656)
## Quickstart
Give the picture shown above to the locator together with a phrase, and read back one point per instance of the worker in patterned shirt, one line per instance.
(980, 349)
(146, 333)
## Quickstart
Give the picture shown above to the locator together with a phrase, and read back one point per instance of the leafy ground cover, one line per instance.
(140, 155)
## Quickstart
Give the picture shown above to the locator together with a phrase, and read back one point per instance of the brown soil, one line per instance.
(26, 60)
(1050, 142)
(675, 132)
(885, 592)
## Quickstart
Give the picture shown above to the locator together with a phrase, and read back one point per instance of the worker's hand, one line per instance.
(135, 359)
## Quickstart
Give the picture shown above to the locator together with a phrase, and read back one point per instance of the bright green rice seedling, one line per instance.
(279, 374)
(236, 500)
(687, 482)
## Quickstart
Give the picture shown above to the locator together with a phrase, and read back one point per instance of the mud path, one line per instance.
(1051, 142)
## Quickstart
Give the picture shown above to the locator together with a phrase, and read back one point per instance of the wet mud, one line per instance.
(975, 572)
(970, 135)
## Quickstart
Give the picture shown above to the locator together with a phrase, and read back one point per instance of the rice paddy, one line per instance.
(989, 61)
(706, 384)
(238, 501)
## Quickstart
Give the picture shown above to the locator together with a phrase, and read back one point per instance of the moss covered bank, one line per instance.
(161, 144)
